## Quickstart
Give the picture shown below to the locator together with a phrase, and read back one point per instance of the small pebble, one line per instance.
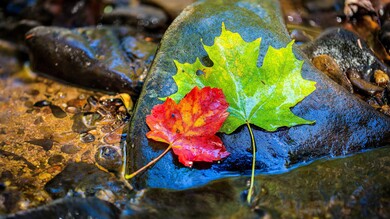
(87, 137)
(109, 158)
(55, 159)
(381, 78)
(70, 149)
(46, 144)
(57, 111)
(33, 92)
(28, 104)
(38, 120)
(42, 103)
(71, 109)
(93, 101)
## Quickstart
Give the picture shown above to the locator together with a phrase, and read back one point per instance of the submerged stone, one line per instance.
(88, 57)
(351, 187)
(71, 208)
(344, 124)
(85, 180)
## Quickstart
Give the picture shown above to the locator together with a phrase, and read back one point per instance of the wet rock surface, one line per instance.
(344, 123)
(88, 57)
(86, 180)
(352, 187)
(348, 50)
(71, 208)
(355, 67)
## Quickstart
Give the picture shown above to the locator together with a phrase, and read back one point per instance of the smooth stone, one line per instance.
(108, 157)
(57, 111)
(85, 180)
(56, 159)
(87, 57)
(70, 149)
(45, 143)
(344, 124)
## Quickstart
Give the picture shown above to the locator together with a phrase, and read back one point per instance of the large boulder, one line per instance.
(344, 124)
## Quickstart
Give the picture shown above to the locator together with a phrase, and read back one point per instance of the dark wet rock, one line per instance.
(84, 122)
(348, 50)
(327, 64)
(141, 16)
(172, 7)
(109, 157)
(85, 180)
(93, 101)
(358, 82)
(141, 52)
(71, 13)
(45, 143)
(57, 111)
(38, 120)
(139, 48)
(13, 156)
(70, 149)
(56, 159)
(352, 187)
(42, 103)
(344, 123)
(88, 57)
(87, 137)
(71, 208)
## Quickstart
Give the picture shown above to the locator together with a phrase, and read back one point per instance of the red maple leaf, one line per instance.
(189, 127)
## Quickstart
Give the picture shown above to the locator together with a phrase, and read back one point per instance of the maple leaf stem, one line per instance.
(129, 176)
(250, 191)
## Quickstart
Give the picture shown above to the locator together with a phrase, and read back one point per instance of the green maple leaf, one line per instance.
(260, 96)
